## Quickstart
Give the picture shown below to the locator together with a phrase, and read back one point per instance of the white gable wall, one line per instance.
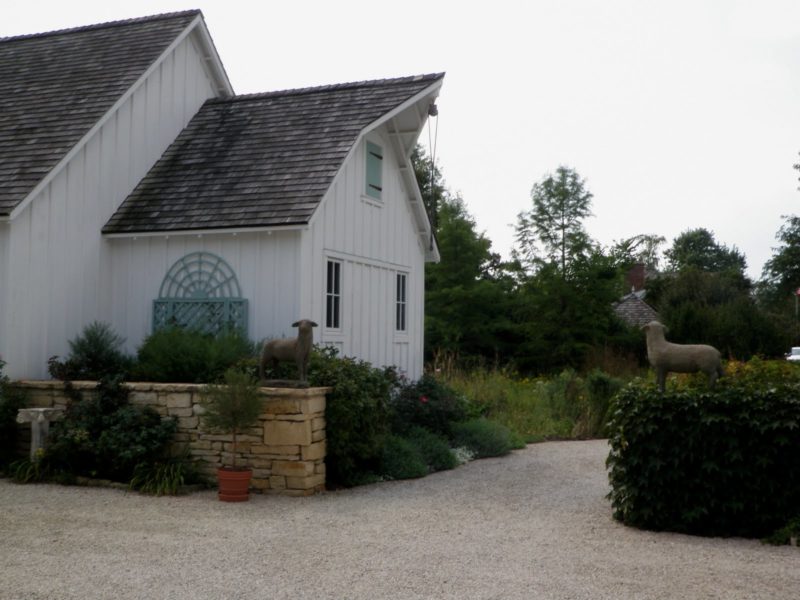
(267, 266)
(55, 249)
(4, 239)
(374, 240)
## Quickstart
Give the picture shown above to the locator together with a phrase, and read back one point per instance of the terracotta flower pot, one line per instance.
(234, 484)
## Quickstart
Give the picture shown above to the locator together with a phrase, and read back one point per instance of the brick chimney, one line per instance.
(634, 278)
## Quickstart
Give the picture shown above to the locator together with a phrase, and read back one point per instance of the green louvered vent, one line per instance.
(201, 292)
(374, 170)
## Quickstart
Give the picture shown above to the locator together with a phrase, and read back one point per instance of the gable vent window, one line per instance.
(400, 303)
(333, 295)
(374, 170)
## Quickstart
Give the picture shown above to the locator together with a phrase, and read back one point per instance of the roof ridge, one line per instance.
(333, 87)
(95, 26)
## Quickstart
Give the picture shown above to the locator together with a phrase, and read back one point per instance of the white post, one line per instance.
(39, 418)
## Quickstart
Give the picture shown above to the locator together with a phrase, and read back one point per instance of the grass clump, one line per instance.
(435, 450)
(486, 438)
(401, 459)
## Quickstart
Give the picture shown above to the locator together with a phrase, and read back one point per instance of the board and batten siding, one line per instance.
(55, 249)
(373, 240)
(267, 266)
(4, 304)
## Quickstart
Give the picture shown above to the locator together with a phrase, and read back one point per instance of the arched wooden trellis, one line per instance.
(200, 291)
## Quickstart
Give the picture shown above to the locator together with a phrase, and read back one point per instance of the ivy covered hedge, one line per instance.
(722, 462)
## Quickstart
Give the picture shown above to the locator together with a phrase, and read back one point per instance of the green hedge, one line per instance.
(720, 462)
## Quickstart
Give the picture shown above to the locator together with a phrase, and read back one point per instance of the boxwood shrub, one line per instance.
(356, 415)
(722, 462)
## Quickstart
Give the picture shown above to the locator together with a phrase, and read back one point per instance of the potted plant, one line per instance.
(231, 408)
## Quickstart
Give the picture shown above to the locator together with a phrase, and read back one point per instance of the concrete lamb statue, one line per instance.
(677, 358)
(294, 349)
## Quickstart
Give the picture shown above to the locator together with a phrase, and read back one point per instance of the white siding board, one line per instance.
(59, 274)
(265, 266)
(4, 287)
(373, 239)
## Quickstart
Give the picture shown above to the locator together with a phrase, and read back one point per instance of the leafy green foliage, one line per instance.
(356, 415)
(467, 293)
(94, 354)
(176, 355)
(427, 403)
(486, 438)
(401, 459)
(28, 471)
(697, 249)
(601, 388)
(717, 309)
(723, 462)
(782, 271)
(105, 437)
(434, 449)
(563, 406)
(783, 536)
(10, 403)
(552, 231)
(233, 406)
(562, 319)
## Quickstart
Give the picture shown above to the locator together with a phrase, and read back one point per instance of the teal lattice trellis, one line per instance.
(200, 291)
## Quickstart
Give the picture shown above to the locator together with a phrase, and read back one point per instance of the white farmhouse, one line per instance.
(137, 189)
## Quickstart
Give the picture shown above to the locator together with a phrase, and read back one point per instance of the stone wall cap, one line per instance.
(144, 386)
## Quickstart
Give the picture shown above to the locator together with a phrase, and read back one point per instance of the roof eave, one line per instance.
(202, 232)
(211, 56)
(424, 228)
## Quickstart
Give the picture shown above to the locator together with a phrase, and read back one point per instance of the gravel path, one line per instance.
(531, 525)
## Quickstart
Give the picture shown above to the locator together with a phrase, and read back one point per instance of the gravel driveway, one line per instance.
(531, 525)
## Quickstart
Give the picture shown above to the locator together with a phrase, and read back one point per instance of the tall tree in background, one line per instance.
(780, 279)
(697, 248)
(782, 271)
(553, 229)
(468, 293)
(644, 248)
(563, 306)
(708, 298)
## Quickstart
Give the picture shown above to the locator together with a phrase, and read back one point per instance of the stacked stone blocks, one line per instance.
(286, 450)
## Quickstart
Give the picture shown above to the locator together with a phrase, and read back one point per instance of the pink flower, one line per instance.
(423, 399)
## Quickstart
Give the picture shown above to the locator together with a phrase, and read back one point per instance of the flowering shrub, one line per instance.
(427, 403)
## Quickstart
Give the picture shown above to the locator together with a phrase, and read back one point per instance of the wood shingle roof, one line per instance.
(259, 160)
(54, 87)
(634, 311)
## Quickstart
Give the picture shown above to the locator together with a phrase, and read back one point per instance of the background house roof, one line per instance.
(55, 86)
(260, 160)
(634, 311)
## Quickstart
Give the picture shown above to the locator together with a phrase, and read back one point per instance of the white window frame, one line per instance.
(401, 302)
(333, 294)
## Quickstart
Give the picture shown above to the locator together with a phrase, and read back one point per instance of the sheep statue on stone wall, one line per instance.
(678, 358)
(295, 349)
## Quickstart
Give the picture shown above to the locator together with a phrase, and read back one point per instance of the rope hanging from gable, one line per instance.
(433, 114)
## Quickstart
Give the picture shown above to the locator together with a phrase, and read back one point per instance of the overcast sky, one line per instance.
(679, 114)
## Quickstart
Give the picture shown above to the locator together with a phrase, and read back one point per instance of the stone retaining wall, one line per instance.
(286, 450)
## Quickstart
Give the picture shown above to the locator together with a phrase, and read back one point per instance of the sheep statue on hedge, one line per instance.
(294, 349)
(678, 358)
